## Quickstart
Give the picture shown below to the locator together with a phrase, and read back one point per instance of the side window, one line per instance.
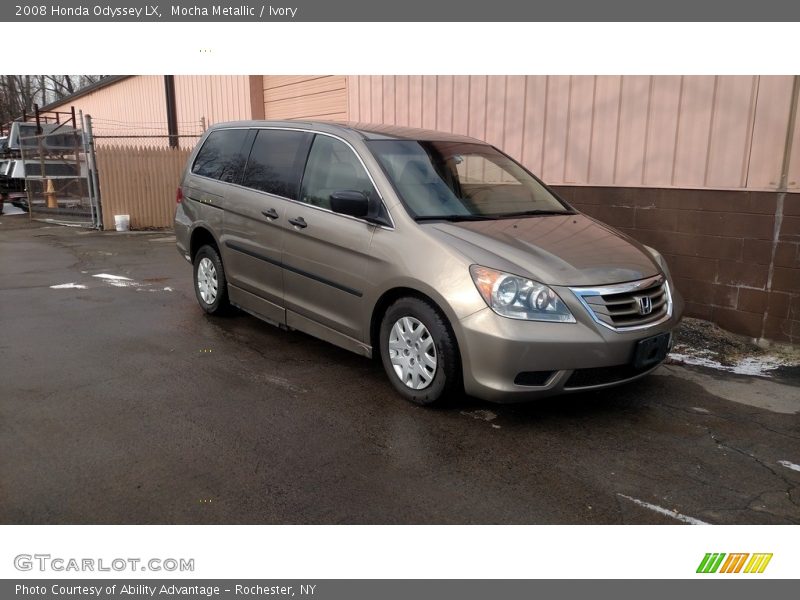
(221, 156)
(333, 167)
(276, 162)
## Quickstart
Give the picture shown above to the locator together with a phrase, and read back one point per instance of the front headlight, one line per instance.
(519, 298)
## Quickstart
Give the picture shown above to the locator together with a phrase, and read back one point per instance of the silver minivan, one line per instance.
(436, 252)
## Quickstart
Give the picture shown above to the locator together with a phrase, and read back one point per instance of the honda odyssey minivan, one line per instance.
(435, 252)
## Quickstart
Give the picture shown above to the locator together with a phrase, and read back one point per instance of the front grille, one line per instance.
(581, 378)
(624, 306)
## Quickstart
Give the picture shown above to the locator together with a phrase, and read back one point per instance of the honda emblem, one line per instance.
(645, 305)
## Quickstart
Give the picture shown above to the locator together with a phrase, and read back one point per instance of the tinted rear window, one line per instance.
(222, 156)
(275, 162)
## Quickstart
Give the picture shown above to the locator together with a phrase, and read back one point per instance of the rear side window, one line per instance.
(276, 162)
(222, 156)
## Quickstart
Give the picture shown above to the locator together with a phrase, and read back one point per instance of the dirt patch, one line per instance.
(697, 334)
(704, 344)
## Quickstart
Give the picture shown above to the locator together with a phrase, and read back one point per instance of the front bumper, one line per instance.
(509, 360)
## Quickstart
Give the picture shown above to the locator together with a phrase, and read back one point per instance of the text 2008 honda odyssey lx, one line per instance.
(437, 252)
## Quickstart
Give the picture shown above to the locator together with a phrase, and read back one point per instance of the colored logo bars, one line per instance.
(733, 563)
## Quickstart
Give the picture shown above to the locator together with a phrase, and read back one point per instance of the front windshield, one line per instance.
(461, 181)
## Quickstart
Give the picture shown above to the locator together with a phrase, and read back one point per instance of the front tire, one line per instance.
(210, 285)
(419, 352)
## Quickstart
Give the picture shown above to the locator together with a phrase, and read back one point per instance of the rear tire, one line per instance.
(210, 284)
(419, 352)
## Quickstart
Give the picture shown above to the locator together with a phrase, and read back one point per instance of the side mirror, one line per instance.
(349, 202)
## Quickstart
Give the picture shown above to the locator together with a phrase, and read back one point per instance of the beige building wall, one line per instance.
(136, 106)
(133, 106)
(694, 132)
(322, 97)
(213, 99)
(691, 132)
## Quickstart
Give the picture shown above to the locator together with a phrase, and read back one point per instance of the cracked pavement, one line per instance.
(124, 403)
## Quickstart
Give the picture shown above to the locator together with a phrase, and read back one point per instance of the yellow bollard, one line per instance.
(50, 195)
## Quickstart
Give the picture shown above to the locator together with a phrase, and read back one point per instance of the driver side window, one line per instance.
(333, 167)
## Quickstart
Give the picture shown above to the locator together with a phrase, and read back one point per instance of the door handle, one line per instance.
(299, 222)
(270, 214)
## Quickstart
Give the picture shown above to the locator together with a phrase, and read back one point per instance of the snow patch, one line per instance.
(757, 365)
(127, 282)
(118, 280)
(751, 365)
(68, 286)
(789, 465)
(112, 277)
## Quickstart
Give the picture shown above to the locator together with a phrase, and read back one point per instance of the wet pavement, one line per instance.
(122, 402)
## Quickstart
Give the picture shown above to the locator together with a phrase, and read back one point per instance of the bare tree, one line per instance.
(18, 93)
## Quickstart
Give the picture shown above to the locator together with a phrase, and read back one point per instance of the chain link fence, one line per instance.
(58, 183)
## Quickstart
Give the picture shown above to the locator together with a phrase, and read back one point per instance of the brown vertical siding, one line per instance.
(140, 182)
(305, 97)
(256, 83)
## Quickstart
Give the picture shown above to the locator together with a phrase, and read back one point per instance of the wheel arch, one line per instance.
(392, 295)
(201, 236)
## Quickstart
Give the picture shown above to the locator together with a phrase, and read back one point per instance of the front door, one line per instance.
(326, 257)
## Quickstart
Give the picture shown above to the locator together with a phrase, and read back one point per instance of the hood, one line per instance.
(572, 250)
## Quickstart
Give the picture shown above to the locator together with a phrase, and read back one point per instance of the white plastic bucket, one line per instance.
(122, 222)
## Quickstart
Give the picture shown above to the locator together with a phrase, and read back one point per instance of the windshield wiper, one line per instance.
(456, 218)
(528, 213)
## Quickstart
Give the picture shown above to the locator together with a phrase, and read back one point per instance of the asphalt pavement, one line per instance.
(122, 402)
